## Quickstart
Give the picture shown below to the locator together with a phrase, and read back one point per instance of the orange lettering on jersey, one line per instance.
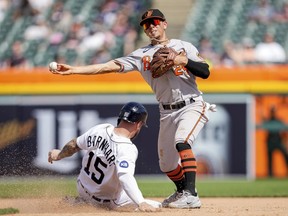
(146, 62)
(179, 70)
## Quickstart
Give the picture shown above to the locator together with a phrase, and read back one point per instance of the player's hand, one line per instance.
(62, 69)
(145, 207)
(181, 59)
(53, 155)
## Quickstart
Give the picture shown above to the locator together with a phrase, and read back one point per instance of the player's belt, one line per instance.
(177, 105)
(101, 200)
(94, 197)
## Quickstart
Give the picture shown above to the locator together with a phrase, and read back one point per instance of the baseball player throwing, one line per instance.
(183, 112)
(107, 174)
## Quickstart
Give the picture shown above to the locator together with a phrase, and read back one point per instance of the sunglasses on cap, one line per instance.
(147, 24)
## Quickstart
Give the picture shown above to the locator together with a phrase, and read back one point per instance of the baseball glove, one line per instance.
(163, 60)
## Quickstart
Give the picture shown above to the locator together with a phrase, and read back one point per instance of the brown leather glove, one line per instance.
(163, 60)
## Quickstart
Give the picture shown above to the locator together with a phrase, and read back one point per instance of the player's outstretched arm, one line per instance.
(68, 150)
(131, 188)
(64, 69)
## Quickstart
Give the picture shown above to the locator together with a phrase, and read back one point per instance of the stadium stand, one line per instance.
(62, 26)
(228, 20)
(89, 31)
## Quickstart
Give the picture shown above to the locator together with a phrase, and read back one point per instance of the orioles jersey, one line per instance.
(175, 85)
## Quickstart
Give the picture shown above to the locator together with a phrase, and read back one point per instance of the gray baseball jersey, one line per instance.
(175, 86)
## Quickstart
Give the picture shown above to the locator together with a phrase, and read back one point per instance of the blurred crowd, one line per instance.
(246, 51)
(96, 31)
(112, 29)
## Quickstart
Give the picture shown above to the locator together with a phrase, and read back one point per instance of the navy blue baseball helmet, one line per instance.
(133, 112)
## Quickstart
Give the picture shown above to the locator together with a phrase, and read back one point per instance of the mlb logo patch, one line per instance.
(124, 164)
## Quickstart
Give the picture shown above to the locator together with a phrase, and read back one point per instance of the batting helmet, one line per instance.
(133, 112)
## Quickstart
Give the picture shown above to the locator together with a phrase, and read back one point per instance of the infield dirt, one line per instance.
(210, 206)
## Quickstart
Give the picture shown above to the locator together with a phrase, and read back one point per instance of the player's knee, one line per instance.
(167, 167)
(162, 167)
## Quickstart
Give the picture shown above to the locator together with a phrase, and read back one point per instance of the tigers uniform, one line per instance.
(107, 173)
(183, 112)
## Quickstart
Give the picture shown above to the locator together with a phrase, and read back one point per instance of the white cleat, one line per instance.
(172, 198)
(186, 200)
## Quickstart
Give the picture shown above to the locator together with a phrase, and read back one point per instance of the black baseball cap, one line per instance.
(152, 14)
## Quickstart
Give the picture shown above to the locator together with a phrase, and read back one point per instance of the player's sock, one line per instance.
(189, 166)
(177, 176)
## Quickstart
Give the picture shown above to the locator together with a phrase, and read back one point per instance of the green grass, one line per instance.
(8, 211)
(223, 188)
(258, 188)
(151, 187)
(37, 187)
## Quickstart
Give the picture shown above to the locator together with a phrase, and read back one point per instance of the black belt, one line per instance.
(101, 200)
(178, 105)
(93, 197)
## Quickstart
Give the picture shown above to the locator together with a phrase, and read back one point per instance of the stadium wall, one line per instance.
(243, 95)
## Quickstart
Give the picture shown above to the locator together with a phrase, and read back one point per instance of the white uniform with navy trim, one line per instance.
(107, 173)
(177, 85)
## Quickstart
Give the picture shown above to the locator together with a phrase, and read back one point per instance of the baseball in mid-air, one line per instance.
(53, 65)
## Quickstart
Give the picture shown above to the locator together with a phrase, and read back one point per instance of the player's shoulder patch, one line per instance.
(124, 164)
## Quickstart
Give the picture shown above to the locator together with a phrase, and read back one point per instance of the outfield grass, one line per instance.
(8, 211)
(38, 187)
(224, 188)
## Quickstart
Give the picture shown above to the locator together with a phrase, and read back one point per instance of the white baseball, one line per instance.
(53, 65)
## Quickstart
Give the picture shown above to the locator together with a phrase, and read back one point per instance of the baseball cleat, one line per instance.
(172, 198)
(186, 200)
